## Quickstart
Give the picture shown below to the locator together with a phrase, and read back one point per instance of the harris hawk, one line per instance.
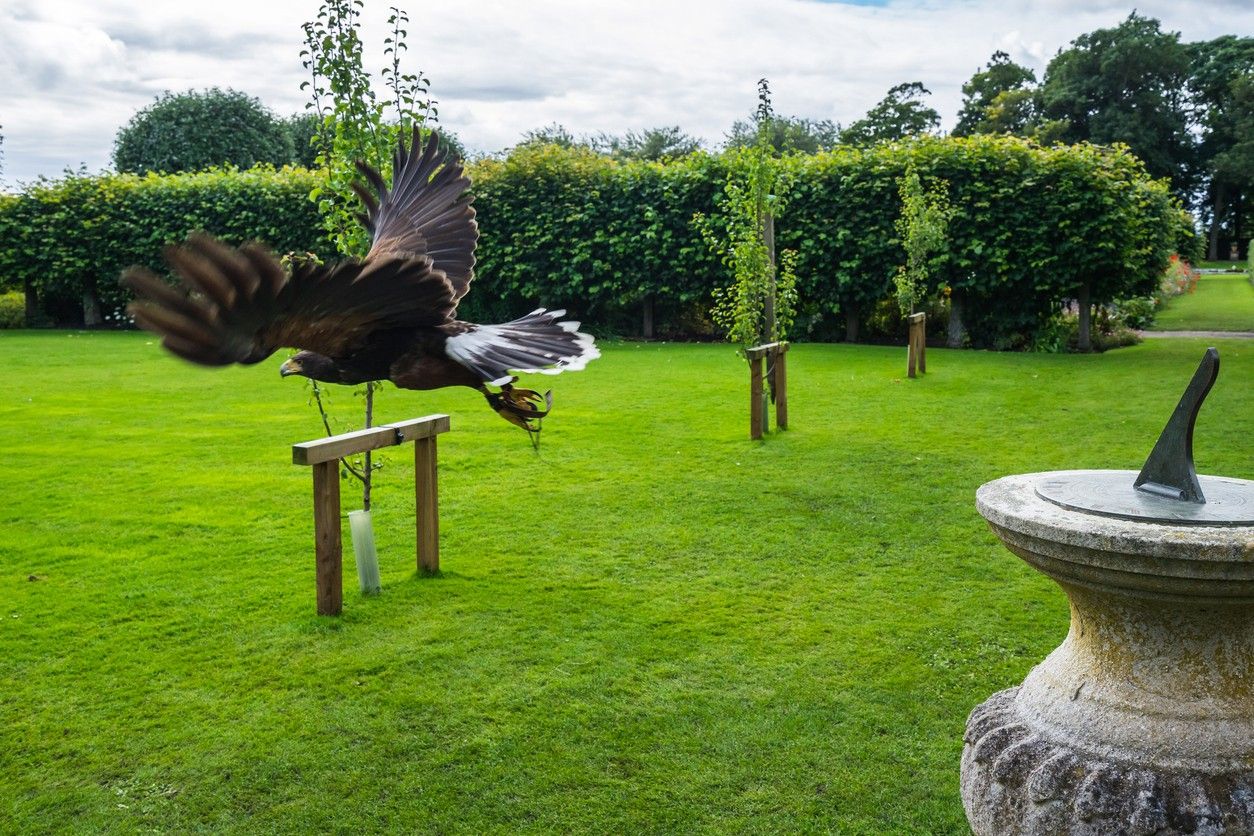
(388, 316)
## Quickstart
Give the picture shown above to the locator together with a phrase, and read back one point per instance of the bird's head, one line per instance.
(311, 365)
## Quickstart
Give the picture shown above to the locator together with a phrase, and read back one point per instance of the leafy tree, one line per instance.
(922, 226)
(1125, 84)
(302, 129)
(1221, 82)
(196, 130)
(998, 99)
(552, 134)
(355, 126)
(900, 114)
(760, 303)
(786, 134)
(653, 144)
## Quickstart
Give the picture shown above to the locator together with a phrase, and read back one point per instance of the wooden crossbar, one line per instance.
(324, 455)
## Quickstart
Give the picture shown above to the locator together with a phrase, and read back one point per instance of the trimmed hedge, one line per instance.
(567, 227)
(70, 239)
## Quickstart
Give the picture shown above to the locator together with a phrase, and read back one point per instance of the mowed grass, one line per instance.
(653, 625)
(1221, 302)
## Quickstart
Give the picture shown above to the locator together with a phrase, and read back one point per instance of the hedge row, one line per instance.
(610, 240)
(70, 239)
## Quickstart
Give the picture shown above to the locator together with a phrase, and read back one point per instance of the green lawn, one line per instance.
(1221, 302)
(654, 625)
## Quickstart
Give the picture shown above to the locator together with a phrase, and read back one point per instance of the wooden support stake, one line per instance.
(923, 344)
(780, 370)
(324, 456)
(915, 344)
(756, 412)
(328, 550)
(426, 507)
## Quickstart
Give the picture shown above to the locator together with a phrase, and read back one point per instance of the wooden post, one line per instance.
(756, 412)
(324, 457)
(757, 397)
(328, 550)
(916, 344)
(426, 506)
(780, 370)
(922, 338)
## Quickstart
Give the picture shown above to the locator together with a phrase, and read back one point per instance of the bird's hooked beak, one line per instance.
(290, 366)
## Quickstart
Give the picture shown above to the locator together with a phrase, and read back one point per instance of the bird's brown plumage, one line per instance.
(389, 315)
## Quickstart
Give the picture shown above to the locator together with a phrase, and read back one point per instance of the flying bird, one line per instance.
(388, 316)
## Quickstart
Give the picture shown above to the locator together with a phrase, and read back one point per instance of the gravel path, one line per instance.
(1217, 335)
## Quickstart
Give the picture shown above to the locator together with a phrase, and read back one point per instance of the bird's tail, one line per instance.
(537, 342)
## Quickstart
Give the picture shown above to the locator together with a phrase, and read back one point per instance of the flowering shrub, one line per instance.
(1179, 277)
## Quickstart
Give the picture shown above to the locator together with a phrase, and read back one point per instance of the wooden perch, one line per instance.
(324, 457)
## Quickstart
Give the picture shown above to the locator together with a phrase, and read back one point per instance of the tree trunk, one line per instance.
(851, 323)
(1237, 231)
(646, 321)
(32, 303)
(92, 318)
(1085, 317)
(957, 331)
(768, 237)
(1217, 208)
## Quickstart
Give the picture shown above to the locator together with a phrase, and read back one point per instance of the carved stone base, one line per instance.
(1016, 780)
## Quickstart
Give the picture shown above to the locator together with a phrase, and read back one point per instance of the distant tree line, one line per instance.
(1185, 109)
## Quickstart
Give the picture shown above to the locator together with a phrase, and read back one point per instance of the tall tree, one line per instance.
(1221, 82)
(1126, 84)
(997, 99)
(195, 130)
(901, 113)
(653, 144)
(785, 133)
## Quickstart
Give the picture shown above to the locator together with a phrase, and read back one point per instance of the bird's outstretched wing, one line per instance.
(426, 212)
(243, 305)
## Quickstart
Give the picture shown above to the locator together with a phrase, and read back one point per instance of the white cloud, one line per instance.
(73, 71)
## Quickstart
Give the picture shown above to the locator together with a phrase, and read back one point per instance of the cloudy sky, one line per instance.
(73, 71)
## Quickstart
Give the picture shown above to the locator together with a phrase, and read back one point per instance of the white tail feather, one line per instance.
(535, 343)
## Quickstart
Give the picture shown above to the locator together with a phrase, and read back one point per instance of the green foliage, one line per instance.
(572, 228)
(71, 238)
(12, 309)
(752, 309)
(355, 125)
(786, 134)
(900, 114)
(1125, 85)
(1221, 83)
(998, 99)
(302, 129)
(197, 130)
(922, 226)
(653, 145)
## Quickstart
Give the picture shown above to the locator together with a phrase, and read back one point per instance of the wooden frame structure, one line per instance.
(776, 374)
(916, 351)
(324, 457)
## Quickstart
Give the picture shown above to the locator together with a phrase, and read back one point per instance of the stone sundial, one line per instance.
(1167, 489)
(1142, 720)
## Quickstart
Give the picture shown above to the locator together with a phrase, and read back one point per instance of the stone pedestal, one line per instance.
(1142, 721)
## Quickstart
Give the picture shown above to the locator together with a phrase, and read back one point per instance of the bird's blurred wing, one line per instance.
(426, 211)
(240, 306)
